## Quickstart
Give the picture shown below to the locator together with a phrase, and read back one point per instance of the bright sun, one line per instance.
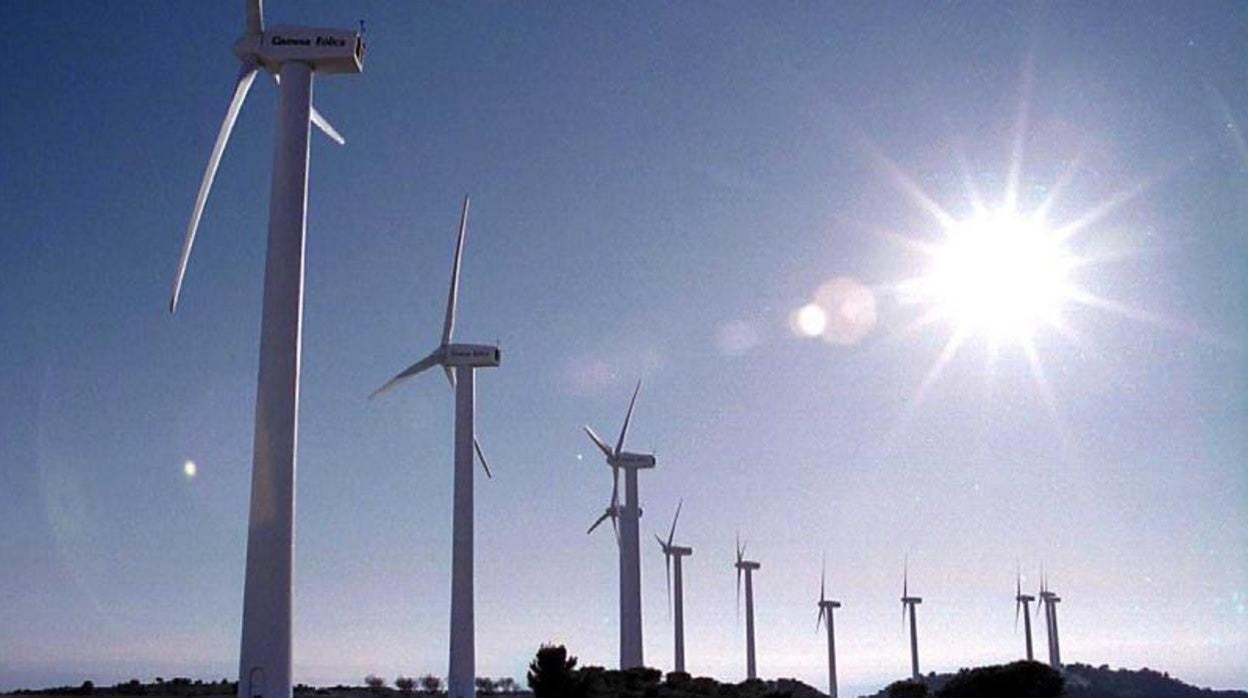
(999, 274)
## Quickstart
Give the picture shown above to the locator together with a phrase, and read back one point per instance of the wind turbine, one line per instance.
(1022, 604)
(909, 602)
(291, 55)
(748, 567)
(826, 607)
(1049, 601)
(459, 362)
(629, 538)
(672, 555)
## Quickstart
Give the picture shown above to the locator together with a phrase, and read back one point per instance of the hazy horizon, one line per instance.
(658, 190)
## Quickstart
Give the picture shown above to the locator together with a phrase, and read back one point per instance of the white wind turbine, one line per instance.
(1022, 603)
(291, 55)
(459, 362)
(826, 606)
(748, 567)
(629, 538)
(1049, 601)
(672, 555)
(909, 602)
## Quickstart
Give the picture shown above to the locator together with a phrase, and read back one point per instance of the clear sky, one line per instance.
(657, 188)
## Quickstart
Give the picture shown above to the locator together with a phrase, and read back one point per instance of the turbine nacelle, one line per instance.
(829, 604)
(747, 565)
(475, 355)
(626, 459)
(1024, 598)
(678, 550)
(325, 50)
(911, 600)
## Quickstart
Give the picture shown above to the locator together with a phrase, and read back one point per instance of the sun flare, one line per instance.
(998, 274)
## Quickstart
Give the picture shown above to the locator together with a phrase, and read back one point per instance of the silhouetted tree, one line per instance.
(430, 683)
(552, 673)
(405, 684)
(506, 685)
(484, 685)
(374, 682)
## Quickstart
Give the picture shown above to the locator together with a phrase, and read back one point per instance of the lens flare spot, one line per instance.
(850, 311)
(189, 469)
(810, 320)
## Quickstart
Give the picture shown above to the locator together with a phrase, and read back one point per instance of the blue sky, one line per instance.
(656, 189)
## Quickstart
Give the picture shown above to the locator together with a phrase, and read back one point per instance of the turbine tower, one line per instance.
(909, 602)
(675, 553)
(629, 539)
(748, 567)
(291, 55)
(826, 606)
(1049, 601)
(1022, 604)
(459, 362)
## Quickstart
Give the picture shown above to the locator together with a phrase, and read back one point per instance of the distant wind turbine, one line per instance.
(748, 567)
(459, 362)
(826, 606)
(672, 555)
(909, 602)
(1022, 604)
(628, 534)
(1049, 601)
(291, 55)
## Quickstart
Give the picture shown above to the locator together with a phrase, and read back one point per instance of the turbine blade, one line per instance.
(619, 445)
(450, 375)
(667, 558)
(246, 76)
(661, 543)
(602, 445)
(1018, 605)
(448, 325)
(255, 16)
(905, 579)
(615, 485)
(423, 365)
(598, 521)
(822, 578)
(819, 620)
(476, 446)
(672, 533)
(615, 525)
(327, 128)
